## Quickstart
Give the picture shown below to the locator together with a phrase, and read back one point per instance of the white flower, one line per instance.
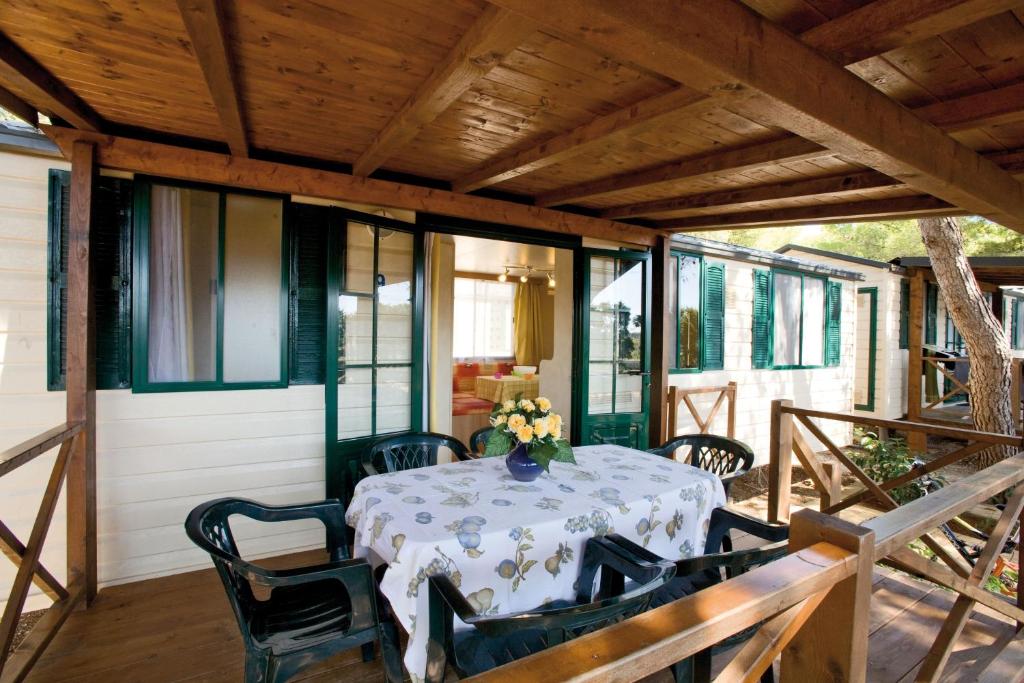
(499, 420)
(526, 405)
(508, 406)
(544, 404)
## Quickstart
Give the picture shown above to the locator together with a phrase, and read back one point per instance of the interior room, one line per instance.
(501, 328)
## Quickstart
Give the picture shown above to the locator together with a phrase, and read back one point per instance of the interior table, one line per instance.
(508, 387)
(511, 546)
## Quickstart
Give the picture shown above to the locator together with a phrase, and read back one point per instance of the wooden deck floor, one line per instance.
(180, 628)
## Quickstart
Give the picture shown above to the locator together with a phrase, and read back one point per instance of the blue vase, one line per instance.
(521, 466)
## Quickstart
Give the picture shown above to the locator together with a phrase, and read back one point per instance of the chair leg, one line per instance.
(257, 666)
(682, 672)
(368, 651)
(702, 666)
(389, 652)
(769, 675)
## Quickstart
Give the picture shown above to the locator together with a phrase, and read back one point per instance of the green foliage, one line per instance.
(530, 422)
(887, 459)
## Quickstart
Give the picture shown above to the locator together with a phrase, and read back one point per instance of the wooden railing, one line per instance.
(812, 605)
(726, 395)
(930, 410)
(14, 666)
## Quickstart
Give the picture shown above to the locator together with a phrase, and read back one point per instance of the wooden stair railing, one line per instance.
(812, 605)
(677, 395)
(14, 666)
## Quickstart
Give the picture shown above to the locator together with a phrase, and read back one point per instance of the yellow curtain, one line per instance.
(528, 323)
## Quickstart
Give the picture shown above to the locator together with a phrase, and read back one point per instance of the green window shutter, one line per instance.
(931, 308)
(110, 251)
(833, 316)
(713, 310)
(904, 314)
(761, 332)
(1014, 322)
(307, 300)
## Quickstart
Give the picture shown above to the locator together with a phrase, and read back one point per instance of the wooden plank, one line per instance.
(1008, 666)
(700, 167)
(587, 136)
(884, 25)
(47, 93)
(188, 164)
(780, 461)
(492, 36)
(19, 107)
(42, 634)
(809, 460)
(989, 108)
(652, 641)
(207, 30)
(828, 186)
(760, 71)
(731, 419)
(844, 212)
(81, 374)
(14, 550)
(27, 450)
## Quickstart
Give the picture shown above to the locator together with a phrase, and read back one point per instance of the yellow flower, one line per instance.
(516, 422)
(541, 427)
(508, 406)
(543, 403)
(525, 433)
(555, 419)
(499, 420)
(556, 431)
(527, 405)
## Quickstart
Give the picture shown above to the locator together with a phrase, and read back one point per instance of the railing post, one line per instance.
(780, 463)
(731, 429)
(81, 376)
(918, 441)
(833, 643)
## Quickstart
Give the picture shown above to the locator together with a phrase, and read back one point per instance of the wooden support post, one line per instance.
(1016, 399)
(834, 480)
(833, 643)
(918, 441)
(780, 464)
(731, 433)
(661, 322)
(81, 376)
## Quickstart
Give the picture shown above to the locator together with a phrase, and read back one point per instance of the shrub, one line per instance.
(885, 459)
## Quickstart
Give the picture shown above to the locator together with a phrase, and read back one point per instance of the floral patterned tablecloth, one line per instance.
(511, 546)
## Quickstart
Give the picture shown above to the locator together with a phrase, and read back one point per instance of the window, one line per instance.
(210, 289)
(483, 319)
(795, 320)
(954, 341)
(697, 297)
(904, 314)
(1015, 320)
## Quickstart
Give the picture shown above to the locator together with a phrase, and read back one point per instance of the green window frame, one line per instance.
(764, 319)
(931, 313)
(954, 340)
(140, 293)
(708, 318)
(904, 314)
(1016, 309)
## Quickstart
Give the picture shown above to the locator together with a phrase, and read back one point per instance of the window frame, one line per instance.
(677, 255)
(824, 319)
(142, 193)
(512, 336)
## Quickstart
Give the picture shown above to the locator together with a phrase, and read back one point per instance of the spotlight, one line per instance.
(523, 278)
(504, 276)
(551, 280)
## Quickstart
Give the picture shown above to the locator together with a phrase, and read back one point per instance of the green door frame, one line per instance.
(581, 378)
(872, 293)
(342, 460)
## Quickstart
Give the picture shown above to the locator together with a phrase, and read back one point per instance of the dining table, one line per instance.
(510, 546)
(506, 387)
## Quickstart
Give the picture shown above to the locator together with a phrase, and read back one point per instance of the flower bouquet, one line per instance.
(530, 435)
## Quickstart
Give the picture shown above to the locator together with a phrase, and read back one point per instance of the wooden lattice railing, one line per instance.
(812, 605)
(14, 666)
(683, 395)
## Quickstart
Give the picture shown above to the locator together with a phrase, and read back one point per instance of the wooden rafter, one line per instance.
(763, 72)
(43, 90)
(206, 26)
(19, 107)
(897, 22)
(990, 108)
(494, 34)
(188, 164)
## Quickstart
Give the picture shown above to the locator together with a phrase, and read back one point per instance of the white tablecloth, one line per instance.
(511, 546)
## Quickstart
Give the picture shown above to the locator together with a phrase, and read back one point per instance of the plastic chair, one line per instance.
(312, 613)
(728, 458)
(478, 440)
(497, 640)
(410, 451)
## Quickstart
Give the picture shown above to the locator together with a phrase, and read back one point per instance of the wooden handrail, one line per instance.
(677, 395)
(26, 451)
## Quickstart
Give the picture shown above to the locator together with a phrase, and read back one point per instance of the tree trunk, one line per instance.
(987, 345)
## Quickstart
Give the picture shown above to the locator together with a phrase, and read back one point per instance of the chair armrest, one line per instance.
(619, 558)
(442, 588)
(330, 512)
(732, 561)
(345, 571)
(723, 520)
(367, 462)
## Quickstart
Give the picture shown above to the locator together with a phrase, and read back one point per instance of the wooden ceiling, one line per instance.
(578, 103)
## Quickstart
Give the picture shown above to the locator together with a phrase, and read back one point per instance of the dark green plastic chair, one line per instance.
(728, 458)
(496, 640)
(409, 451)
(478, 441)
(312, 613)
(714, 566)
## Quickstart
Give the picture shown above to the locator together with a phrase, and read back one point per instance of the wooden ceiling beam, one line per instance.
(19, 107)
(840, 37)
(885, 25)
(848, 212)
(206, 26)
(126, 154)
(722, 48)
(990, 108)
(492, 36)
(43, 90)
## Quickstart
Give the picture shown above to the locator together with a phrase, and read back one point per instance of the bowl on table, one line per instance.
(524, 370)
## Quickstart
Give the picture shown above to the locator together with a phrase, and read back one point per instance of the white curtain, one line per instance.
(168, 308)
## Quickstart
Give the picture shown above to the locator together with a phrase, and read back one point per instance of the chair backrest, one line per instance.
(478, 441)
(716, 454)
(413, 450)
